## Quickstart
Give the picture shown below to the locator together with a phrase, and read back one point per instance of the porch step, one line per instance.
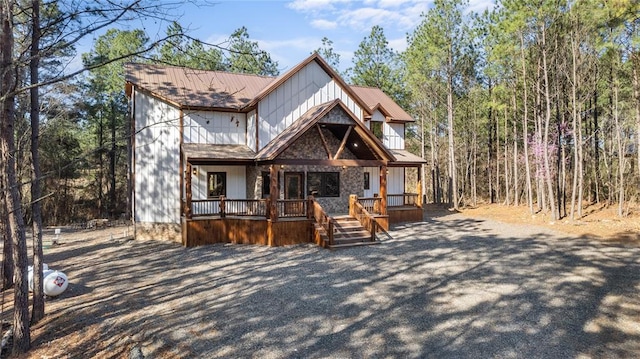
(347, 232)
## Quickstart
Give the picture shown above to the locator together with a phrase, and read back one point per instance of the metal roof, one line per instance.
(201, 152)
(377, 99)
(197, 88)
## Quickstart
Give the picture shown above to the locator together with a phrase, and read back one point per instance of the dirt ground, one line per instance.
(122, 292)
(599, 221)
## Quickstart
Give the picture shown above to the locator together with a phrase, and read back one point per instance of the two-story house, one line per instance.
(303, 157)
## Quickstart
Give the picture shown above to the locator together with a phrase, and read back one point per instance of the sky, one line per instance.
(291, 30)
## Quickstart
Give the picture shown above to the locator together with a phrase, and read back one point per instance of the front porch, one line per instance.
(291, 221)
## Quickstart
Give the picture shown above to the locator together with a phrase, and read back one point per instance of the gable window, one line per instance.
(376, 128)
(323, 184)
(367, 181)
(216, 184)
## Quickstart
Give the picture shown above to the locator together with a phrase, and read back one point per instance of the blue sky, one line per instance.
(291, 30)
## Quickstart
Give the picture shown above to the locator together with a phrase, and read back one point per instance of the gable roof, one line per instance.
(281, 142)
(323, 64)
(376, 99)
(196, 88)
(219, 90)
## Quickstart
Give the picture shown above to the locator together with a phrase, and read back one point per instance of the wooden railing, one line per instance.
(366, 219)
(324, 220)
(371, 205)
(233, 207)
(292, 208)
(399, 200)
(287, 208)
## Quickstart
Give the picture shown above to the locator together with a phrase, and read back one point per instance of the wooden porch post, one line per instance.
(352, 203)
(187, 209)
(419, 199)
(383, 190)
(273, 189)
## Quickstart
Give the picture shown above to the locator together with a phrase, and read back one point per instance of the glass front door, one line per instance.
(293, 183)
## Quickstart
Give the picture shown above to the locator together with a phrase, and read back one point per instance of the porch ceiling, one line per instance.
(199, 153)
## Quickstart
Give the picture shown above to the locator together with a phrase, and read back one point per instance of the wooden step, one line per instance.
(347, 233)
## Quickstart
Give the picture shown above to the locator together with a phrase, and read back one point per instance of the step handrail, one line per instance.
(366, 219)
(324, 220)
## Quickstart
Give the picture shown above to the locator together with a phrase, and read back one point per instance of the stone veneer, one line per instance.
(309, 146)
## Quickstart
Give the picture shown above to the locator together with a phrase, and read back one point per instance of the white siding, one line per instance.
(395, 180)
(374, 178)
(378, 116)
(251, 130)
(309, 87)
(157, 152)
(220, 128)
(394, 135)
(236, 179)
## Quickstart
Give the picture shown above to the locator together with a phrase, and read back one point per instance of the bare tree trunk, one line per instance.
(621, 152)
(636, 95)
(525, 126)
(37, 311)
(547, 120)
(452, 156)
(506, 159)
(516, 190)
(577, 137)
(21, 334)
(7, 248)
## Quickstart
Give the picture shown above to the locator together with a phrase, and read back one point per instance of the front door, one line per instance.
(293, 185)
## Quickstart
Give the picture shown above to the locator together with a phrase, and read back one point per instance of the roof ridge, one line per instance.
(203, 70)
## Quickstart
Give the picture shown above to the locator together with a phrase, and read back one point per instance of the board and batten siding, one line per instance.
(393, 133)
(374, 182)
(395, 180)
(309, 87)
(157, 155)
(251, 130)
(236, 181)
(219, 128)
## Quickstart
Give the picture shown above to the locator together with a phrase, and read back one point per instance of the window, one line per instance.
(367, 181)
(376, 128)
(266, 184)
(216, 184)
(324, 184)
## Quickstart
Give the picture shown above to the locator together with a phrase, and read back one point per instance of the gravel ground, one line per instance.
(451, 287)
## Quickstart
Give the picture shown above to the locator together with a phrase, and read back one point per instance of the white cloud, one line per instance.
(479, 6)
(401, 15)
(314, 5)
(399, 44)
(324, 24)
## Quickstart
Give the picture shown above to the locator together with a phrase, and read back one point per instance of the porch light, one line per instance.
(281, 166)
(355, 145)
(195, 171)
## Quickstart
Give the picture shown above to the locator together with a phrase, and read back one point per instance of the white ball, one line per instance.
(55, 283)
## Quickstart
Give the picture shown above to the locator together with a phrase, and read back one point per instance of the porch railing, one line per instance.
(292, 208)
(324, 220)
(371, 205)
(366, 219)
(404, 199)
(229, 207)
(288, 208)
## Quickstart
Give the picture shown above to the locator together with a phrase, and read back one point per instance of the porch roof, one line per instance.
(198, 153)
(404, 157)
(312, 117)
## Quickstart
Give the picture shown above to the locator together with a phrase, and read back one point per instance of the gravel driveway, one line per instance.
(451, 287)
